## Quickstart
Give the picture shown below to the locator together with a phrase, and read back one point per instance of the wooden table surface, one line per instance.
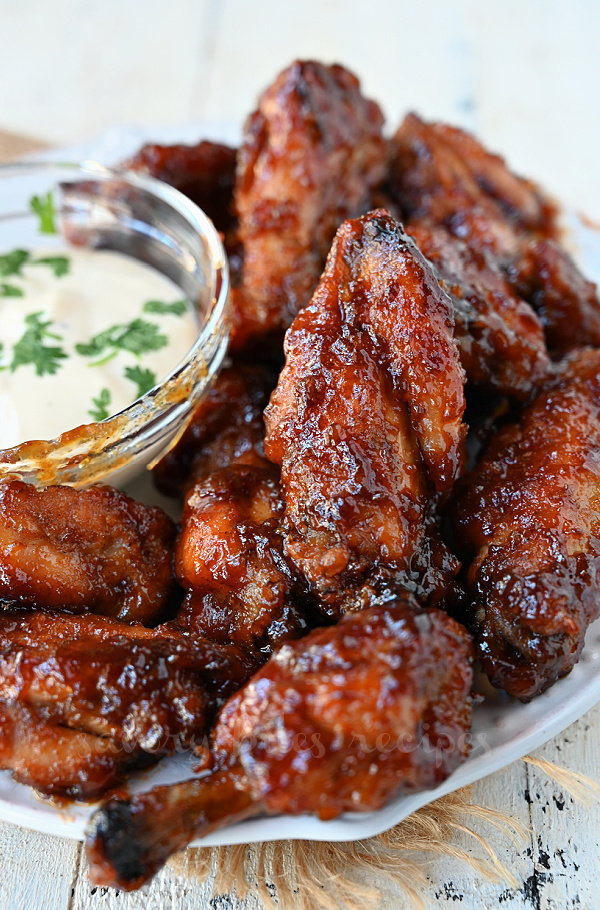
(524, 75)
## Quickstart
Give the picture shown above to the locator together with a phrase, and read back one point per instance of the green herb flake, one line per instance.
(60, 265)
(100, 411)
(31, 348)
(160, 308)
(144, 379)
(10, 290)
(13, 262)
(43, 207)
(138, 337)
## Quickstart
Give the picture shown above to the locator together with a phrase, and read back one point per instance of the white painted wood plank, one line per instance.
(36, 872)
(566, 847)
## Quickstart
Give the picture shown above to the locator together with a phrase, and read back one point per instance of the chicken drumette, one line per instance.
(227, 428)
(241, 587)
(342, 720)
(529, 515)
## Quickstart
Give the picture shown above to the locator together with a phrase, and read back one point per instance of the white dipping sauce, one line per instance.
(101, 291)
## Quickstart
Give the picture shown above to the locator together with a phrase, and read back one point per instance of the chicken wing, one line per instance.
(342, 720)
(529, 515)
(442, 176)
(204, 172)
(229, 557)
(93, 549)
(60, 762)
(366, 419)
(227, 428)
(312, 153)
(567, 304)
(149, 690)
(500, 338)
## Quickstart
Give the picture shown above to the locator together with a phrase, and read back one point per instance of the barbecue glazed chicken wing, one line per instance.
(530, 516)
(365, 421)
(93, 549)
(229, 557)
(441, 176)
(341, 720)
(445, 182)
(312, 154)
(227, 428)
(204, 173)
(567, 304)
(500, 339)
(141, 692)
(58, 761)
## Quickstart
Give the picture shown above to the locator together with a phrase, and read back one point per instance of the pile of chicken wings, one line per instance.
(397, 472)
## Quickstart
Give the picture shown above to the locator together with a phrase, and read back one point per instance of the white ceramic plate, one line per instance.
(503, 730)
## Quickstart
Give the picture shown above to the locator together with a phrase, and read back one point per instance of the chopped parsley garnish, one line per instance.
(138, 337)
(12, 263)
(31, 348)
(43, 207)
(10, 290)
(160, 308)
(144, 379)
(60, 265)
(100, 411)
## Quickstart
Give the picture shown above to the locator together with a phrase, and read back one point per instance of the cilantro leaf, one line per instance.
(10, 290)
(144, 379)
(177, 308)
(43, 207)
(100, 411)
(60, 265)
(141, 336)
(98, 344)
(138, 337)
(31, 349)
(12, 263)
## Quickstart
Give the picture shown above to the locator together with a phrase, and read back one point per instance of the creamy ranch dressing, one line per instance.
(102, 289)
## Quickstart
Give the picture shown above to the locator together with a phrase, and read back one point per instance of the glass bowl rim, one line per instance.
(90, 453)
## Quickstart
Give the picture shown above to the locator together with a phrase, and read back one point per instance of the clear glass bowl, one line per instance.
(144, 218)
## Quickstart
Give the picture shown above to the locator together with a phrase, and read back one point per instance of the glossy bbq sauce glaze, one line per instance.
(83, 334)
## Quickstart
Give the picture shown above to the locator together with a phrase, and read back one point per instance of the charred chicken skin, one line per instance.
(442, 176)
(312, 154)
(365, 421)
(93, 549)
(499, 337)
(341, 720)
(529, 516)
